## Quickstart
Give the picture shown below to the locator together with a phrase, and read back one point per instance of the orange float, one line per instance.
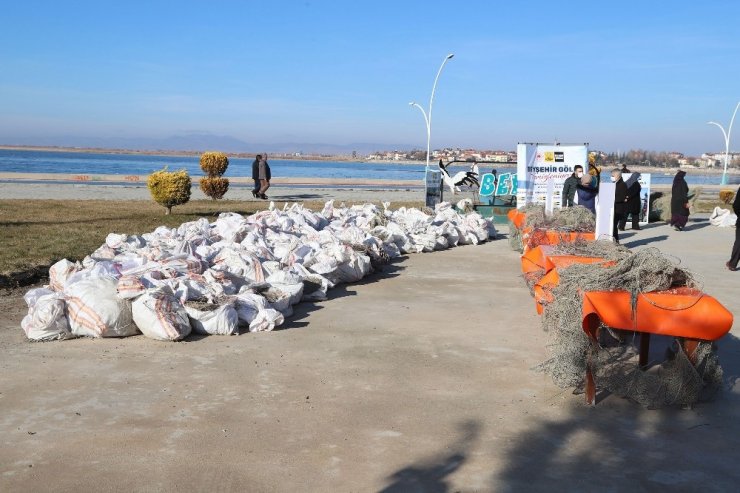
(543, 290)
(517, 218)
(685, 313)
(544, 286)
(544, 258)
(532, 238)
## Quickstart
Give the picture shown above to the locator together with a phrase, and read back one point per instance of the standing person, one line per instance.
(587, 191)
(571, 185)
(624, 169)
(735, 257)
(620, 202)
(679, 201)
(256, 175)
(634, 202)
(264, 176)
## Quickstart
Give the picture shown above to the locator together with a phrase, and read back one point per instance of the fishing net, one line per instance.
(515, 238)
(608, 250)
(576, 218)
(614, 359)
(534, 216)
(564, 221)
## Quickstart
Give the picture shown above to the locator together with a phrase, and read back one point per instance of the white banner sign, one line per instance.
(537, 164)
(644, 181)
(605, 211)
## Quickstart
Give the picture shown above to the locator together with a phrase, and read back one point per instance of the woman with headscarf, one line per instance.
(679, 201)
(587, 191)
(634, 202)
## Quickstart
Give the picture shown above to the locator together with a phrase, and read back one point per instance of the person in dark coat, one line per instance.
(264, 174)
(587, 191)
(620, 202)
(256, 175)
(571, 186)
(735, 257)
(679, 201)
(634, 202)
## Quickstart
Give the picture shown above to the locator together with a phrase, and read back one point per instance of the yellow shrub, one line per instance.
(169, 188)
(726, 196)
(214, 163)
(214, 186)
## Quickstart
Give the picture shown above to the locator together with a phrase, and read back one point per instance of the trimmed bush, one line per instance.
(214, 165)
(214, 186)
(726, 196)
(169, 188)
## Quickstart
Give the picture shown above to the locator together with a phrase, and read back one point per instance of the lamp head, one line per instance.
(450, 55)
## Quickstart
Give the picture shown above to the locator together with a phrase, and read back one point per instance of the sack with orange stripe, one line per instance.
(95, 310)
(160, 315)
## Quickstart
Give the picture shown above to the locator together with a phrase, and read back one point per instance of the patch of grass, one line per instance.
(38, 233)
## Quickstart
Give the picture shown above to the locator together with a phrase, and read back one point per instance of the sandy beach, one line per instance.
(121, 187)
(432, 392)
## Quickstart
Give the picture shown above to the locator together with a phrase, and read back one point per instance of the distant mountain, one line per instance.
(203, 142)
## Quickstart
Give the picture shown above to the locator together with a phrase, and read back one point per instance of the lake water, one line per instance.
(76, 163)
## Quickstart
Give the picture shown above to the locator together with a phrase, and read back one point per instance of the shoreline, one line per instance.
(318, 158)
(134, 180)
(236, 155)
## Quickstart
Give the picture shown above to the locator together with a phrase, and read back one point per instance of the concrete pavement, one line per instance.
(415, 380)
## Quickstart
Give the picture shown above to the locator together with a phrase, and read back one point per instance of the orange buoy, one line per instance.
(517, 218)
(681, 312)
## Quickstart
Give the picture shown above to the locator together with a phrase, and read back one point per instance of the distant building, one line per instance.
(712, 159)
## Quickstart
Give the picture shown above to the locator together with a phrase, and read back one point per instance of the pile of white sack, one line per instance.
(722, 218)
(237, 272)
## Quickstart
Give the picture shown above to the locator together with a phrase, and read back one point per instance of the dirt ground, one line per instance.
(418, 379)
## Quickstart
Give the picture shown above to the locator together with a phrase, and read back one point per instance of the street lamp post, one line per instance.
(727, 136)
(428, 116)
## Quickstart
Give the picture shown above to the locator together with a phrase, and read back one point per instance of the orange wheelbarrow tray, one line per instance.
(685, 313)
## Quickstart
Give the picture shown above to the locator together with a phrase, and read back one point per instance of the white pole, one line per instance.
(426, 120)
(727, 136)
(431, 102)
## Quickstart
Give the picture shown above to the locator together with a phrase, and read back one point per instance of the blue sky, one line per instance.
(619, 75)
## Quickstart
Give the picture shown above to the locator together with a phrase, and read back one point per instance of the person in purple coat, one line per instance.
(587, 191)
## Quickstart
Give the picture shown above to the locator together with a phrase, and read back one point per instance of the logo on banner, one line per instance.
(559, 157)
(549, 157)
(507, 184)
(487, 185)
